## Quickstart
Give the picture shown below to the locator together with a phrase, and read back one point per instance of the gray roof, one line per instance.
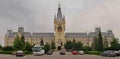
(51, 35)
(93, 34)
(43, 35)
(110, 35)
(76, 35)
(27, 34)
(12, 35)
(104, 34)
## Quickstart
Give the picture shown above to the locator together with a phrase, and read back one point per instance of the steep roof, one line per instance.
(27, 34)
(108, 35)
(43, 35)
(12, 35)
(76, 35)
(92, 34)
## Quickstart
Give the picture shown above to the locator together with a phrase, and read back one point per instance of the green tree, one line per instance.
(0, 47)
(98, 42)
(8, 48)
(77, 46)
(114, 44)
(28, 46)
(68, 46)
(119, 47)
(23, 39)
(74, 40)
(47, 47)
(73, 45)
(18, 44)
(41, 42)
(95, 44)
(87, 48)
(53, 45)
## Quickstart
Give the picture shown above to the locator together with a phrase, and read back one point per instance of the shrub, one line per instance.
(8, 48)
(6, 52)
(47, 48)
(28, 52)
(94, 52)
(28, 46)
(86, 48)
(86, 52)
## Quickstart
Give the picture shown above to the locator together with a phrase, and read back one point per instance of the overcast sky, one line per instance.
(38, 15)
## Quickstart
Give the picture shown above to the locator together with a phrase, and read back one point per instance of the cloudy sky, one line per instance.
(38, 15)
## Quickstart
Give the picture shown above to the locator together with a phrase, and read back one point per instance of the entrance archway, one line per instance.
(59, 48)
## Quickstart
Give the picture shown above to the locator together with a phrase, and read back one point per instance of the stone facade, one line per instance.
(59, 36)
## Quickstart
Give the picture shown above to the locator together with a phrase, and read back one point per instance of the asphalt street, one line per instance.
(57, 56)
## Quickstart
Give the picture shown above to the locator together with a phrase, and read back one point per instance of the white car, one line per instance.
(38, 50)
(81, 52)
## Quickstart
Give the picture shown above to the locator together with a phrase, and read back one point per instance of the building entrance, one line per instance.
(60, 46)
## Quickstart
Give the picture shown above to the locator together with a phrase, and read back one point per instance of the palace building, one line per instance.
(60, 37)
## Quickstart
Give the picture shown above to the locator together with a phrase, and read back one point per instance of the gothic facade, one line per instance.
(59, 36)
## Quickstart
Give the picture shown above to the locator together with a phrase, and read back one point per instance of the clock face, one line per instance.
(59, 29)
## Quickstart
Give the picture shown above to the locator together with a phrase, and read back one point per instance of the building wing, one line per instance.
(76, 35)
(43, 35)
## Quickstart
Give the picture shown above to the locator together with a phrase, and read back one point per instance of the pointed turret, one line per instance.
(59, 15)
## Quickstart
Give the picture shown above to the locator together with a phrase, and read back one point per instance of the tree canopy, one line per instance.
(73, 45)
(53, 45)
(18, 44)
(28, 46)
(41, 42)
(98, 42)
(114, 44)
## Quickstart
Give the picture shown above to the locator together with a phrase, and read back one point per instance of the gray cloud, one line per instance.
(38, 15)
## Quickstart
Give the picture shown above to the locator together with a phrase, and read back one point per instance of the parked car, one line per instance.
(117, 53)
(62, 52)
(109, 53)
(81, 52)
(38, 50)
(20, 53)
(50, 52)
(75, 52)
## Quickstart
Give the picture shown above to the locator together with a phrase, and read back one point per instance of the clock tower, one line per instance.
(59, 28)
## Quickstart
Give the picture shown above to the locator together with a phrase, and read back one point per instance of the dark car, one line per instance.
(62, 52)
(75, 52)
(109, 53)
(49, 52)
(20, 53)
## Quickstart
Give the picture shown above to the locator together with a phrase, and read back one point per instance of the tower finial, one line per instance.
(59, 3)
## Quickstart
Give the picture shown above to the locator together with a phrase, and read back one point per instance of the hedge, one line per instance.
(93, 52)
(6, 52)
(28, 52)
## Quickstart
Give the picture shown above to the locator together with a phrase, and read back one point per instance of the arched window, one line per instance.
(59, 29)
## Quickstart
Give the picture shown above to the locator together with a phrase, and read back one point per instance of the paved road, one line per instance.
(57, 56)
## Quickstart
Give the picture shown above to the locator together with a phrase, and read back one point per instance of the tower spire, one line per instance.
(59, 13)
(59, 5)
